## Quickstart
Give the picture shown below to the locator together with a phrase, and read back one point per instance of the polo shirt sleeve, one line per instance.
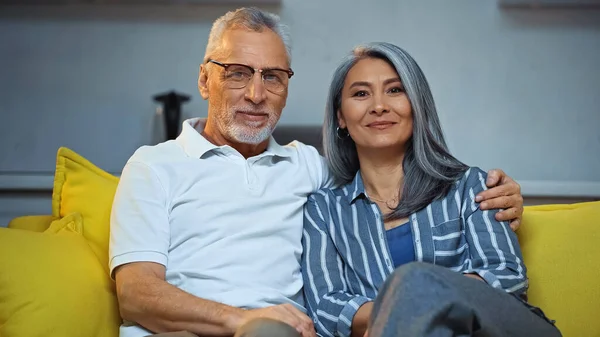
(317, 167)
(327, 180)
(139, 223)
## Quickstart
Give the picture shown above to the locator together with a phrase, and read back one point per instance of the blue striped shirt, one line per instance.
(346, 255)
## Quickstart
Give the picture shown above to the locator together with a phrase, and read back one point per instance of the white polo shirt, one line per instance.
(227, 229)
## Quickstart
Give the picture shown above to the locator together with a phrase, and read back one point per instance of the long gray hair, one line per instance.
(429, 168)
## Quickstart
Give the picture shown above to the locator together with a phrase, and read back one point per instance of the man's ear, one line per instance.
(203, 82)
(341, 120)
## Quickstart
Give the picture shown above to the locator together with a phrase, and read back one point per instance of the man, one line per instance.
(206, 229)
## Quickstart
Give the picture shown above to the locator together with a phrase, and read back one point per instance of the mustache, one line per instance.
(253, 110)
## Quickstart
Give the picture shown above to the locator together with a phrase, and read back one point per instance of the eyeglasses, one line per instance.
(237, 76)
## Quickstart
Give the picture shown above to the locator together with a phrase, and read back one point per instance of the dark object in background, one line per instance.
(172, 102)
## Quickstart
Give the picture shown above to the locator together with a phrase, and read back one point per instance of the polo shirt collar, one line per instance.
(192, 141)
(277, 150)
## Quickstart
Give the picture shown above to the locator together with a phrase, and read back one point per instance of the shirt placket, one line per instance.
(381, 235)
(252, 179)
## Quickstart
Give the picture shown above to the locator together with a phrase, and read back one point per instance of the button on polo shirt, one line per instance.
(226, 228)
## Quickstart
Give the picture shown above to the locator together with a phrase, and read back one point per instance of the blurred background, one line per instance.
(83, 74)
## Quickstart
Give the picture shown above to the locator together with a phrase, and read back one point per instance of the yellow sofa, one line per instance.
(54, 277)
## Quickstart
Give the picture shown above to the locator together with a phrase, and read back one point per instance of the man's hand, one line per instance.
(286, 313)
(504, 193)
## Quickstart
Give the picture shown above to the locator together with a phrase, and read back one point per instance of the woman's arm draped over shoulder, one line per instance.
(493, 246)
(329, 303)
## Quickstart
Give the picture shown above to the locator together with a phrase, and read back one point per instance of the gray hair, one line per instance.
(429, 168)
(250, 18)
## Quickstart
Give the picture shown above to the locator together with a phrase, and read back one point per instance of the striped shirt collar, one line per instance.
(355, 189)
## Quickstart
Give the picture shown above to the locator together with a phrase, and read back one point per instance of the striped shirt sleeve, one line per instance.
(494, 250)
(329, 302)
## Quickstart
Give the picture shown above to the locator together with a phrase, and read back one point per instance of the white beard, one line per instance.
(248, 135)
(249, 132)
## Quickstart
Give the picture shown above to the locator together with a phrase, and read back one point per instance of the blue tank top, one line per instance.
(400, 242)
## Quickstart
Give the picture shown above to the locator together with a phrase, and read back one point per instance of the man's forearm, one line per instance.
(360, 322)
(161, 307)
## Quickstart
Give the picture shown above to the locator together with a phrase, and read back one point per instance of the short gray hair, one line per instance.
(429, 168)
(251, 18)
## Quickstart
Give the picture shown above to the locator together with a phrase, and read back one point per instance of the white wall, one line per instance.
(516, 89)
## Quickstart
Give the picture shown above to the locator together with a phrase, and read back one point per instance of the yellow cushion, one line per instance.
(51, 284)
(561, 248)
(35, 223)
(81, 187)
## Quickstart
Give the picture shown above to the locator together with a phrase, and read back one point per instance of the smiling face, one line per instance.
(374, 107)
(244, 115)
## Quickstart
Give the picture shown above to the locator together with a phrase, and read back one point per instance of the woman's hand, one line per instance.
(504, 193)
(360, 322)
(474, 276)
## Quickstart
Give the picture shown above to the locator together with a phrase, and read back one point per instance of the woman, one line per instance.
(405, 200)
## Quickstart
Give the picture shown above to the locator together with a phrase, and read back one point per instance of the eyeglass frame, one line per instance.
(289, 72)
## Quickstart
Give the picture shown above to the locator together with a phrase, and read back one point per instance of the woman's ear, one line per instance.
(341, 120)
(203, 82)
